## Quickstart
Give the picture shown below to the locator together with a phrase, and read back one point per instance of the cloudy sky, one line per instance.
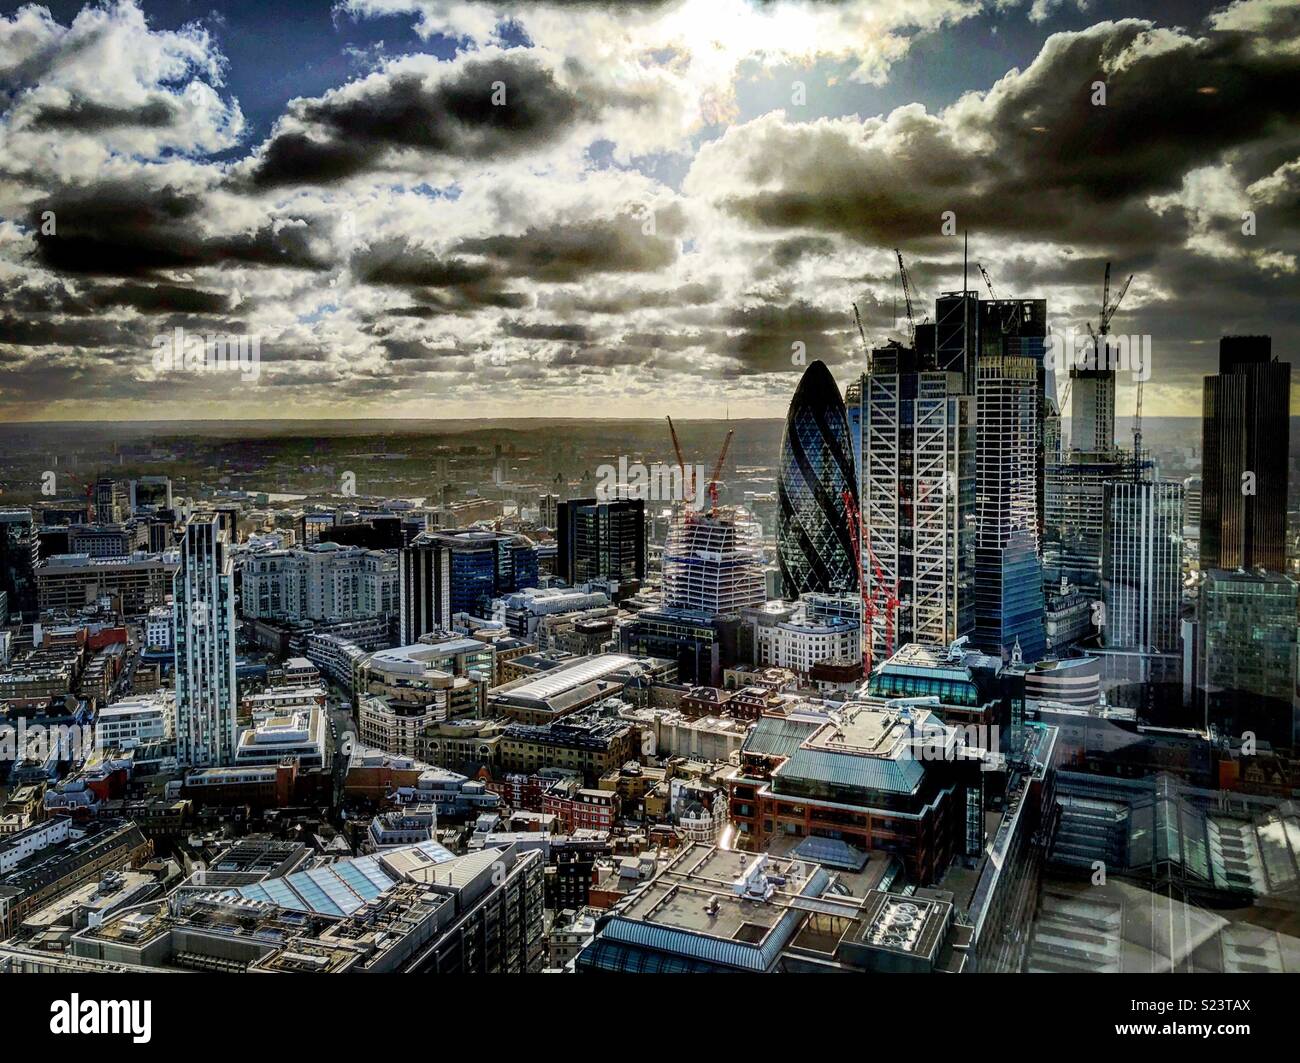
(452, 208)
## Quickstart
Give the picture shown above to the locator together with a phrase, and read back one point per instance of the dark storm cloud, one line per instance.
(526, 330)
(80, 115)
(768, 332)
(450, 284)
(567, 252)
(625, 300)
(1035, 157)
(351, 129)
(129, 229)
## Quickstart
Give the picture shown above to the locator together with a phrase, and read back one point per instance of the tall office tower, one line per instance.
(424, 588)
(112, 500)
(1074, 518)
(1246, 653)
(600, 540)
(814, 544)
(204, 610)
(1018, 327)
(1142, 564)
(20, 553)
(1092, 410)
(1008, 575)
(445, 573)
(918, 499)
(1245, 450)
(955, 338)
(713, 565)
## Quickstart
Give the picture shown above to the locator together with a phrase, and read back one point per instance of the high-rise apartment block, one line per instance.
(206, 694)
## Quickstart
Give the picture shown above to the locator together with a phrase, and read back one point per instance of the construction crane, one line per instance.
(907, 298)
(866, 347)
(681, 464)
(717, 473)
(1011, 310)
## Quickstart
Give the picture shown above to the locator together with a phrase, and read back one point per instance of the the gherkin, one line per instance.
(814, 545)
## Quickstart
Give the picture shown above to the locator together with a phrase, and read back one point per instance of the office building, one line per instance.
(814, 544)
(445, 573)
(206, 694)
(916, 487)
(135, 584)
(1008, 575)
(1245, 453)
(600, 540)
(112, 500)
(19, 556)
(1142, 565)
(712, 565)
(1246, 654)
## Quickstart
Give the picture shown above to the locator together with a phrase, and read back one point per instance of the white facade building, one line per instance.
(324, 581)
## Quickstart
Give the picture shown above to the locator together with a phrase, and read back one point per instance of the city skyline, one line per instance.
(432, 212)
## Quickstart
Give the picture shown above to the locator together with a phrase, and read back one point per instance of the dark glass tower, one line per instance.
(1246, 430)
(814, 546)
(600, 540)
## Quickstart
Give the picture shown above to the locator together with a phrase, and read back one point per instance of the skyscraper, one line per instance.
(1245, 451)
(1246, 657)
(814, 544)
(917, 492)
(1142, 566)
(444, 573)
(600, 540)
(1092, 410)
(204, 611)
(712, 564)
(1008, 575)
(424, 588)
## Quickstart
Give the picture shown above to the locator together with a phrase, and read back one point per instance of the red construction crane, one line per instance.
(868, 606)
(686, 474)
(717, 472)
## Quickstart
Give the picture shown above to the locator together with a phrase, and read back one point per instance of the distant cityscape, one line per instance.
(928, 678)
(579, 487)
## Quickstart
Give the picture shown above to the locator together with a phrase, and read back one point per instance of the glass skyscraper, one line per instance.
(814, 545)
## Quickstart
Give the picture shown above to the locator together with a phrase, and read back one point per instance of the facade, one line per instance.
(444, 573)
(1092, 410)
(859, 779)
(1074, 524)
(916, 488)
(1245, 440)
(1008, 575)
(137, 583)
(19, 554)
(814, 545)
(137, 721)
(598, 540)
(324, 581)
(206, 731)
(1142, 564)
(712, 565)
(1246, 653)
